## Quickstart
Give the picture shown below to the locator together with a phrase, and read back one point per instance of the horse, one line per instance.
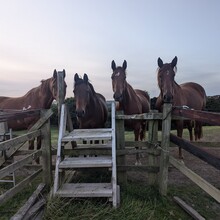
(131, 101)
(188, 94)
(40, 97)
(91, 107)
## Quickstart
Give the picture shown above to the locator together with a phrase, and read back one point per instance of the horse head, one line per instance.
(82, 91)
(165, 78)
(118, 80)
(54, 86)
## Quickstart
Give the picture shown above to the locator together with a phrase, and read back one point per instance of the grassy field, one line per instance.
(138, 201)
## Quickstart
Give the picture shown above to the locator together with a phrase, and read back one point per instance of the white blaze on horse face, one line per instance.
(168, 72)
(117, 74)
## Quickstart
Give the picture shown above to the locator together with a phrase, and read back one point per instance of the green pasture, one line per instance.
(138, 201)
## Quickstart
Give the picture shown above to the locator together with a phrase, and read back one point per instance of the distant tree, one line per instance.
(213, 103)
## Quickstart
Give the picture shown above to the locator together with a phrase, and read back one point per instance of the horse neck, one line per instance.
(45, 95)
(129, 95)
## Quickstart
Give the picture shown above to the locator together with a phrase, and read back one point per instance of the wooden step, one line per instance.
(88, 134)
(86, 162)
(85, 190)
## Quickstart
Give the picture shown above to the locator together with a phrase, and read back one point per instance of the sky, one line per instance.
(84, 36)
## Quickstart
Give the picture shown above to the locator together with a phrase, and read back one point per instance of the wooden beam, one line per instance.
(207, 117)
(192, 212)
(16, 165)
(196, 151)
(203, 184)
(144, 116)
(21, 213)
(16, 189)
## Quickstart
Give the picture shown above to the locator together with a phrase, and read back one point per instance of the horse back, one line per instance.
(144, 100)
(195, 95)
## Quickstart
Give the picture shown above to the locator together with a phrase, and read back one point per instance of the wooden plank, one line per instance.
(46, 153)
(203, 184)
(165, 144)
(36, 210)
(198, 152)
(18, 140)
(120, 145)
(16, 165)
(206, 117)
(86, 162)
(144, 116)
(16, 189)
(24, 209)
(89, 134)
(85, 190)
(192, 212)
(62, 130)
(44, 117)
(145, 168)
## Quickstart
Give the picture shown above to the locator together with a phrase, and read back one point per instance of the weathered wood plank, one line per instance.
(18, 140)
(16, 189)
(192, 212)
(86, 162)
(88, 134)
(16, 165)
(24, 209)
(165, 144)
(144, 116)
(207, 117)
(85, 190)
(200, 153)
(203, 184)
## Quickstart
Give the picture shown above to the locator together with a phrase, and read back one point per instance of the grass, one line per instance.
(138, 201)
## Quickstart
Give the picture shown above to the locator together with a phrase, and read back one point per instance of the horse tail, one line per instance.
(143, 130)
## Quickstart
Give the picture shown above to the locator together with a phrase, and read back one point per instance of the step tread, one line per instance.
(85, 190)
(89, 134)
(86, 162)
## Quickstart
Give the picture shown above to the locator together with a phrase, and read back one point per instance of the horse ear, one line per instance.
(113, 65)
(160, 62)
(55, 74)
(85, 78)
(174, 62)
(64, 73)
(124, 65)
(76, 77)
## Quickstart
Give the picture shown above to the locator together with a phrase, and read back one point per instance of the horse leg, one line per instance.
(180, 134)
(190, 128)
(198, 130)
(38, 148)
(136, 135)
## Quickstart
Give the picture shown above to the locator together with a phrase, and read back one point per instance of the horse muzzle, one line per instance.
(118, 97)
(168, 98)
(80, 113)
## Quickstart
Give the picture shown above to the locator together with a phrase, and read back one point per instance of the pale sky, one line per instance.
(84, 36)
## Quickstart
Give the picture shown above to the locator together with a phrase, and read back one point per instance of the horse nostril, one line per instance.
(168, 98)
(80, 113)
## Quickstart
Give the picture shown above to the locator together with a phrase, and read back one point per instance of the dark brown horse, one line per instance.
(131, 101)
(188, 94)
(91, 107)
(40, 97)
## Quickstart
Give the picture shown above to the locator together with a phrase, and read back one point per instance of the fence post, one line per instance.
(61, 89)
(46, 152)
(165, 143)
(153, 139)
(120, 145)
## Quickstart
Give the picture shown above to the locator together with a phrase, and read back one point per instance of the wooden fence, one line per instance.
(158, 172)
(12, 148)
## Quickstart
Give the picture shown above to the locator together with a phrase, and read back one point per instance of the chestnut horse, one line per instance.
(188, 94)
(91, 107)
(40, 97)
(131, 101)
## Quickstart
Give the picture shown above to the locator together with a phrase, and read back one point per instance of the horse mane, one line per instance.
(81, 81)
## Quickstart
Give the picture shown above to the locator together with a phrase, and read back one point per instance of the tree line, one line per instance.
(212, 105)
